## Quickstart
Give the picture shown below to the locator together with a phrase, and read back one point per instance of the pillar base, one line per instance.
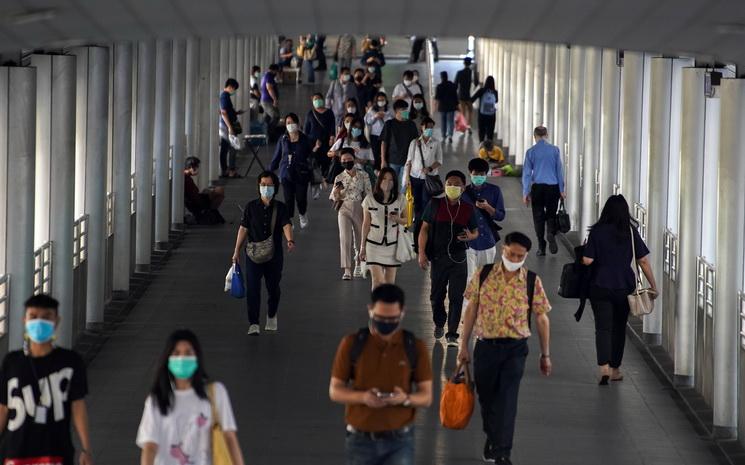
(142, 268)
(163, 246)
(652, 339)
(683, 381)
(120, 295)
(724, 432)
(179, 227)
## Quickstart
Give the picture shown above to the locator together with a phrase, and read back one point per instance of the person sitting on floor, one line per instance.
(491, 153)
(203, 205)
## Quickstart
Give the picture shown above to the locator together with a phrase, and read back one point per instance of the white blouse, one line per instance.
(431, 152)
(383, 231)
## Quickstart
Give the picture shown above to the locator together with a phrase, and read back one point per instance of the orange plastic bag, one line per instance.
(461, 125)
(456, 403)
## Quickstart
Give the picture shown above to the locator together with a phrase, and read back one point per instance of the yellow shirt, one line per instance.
(495, 154)
(502, 305)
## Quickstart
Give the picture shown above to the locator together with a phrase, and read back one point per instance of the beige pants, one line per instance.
(350, 232)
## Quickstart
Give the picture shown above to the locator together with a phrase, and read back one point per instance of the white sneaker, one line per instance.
(271, 324)
(303, 221)
(254, 330)
(357, 271)
(316, 192)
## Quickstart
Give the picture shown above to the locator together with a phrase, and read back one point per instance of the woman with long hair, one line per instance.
(183, 405)
(355, 139)
(419, 111)
(376, 116)
(384, 214)
(609, 251)
(488, 98)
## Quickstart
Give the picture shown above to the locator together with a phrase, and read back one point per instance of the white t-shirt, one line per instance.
(183, 436)
(399, 92)
(360, 153)
(431, 153)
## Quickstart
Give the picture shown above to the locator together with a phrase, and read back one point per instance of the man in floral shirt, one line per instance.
(499, 309)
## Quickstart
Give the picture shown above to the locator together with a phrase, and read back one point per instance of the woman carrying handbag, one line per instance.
(614, 249)
(186, 418)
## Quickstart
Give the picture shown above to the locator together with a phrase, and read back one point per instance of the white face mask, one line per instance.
(292, 128)
(511, 266)
(407, 83)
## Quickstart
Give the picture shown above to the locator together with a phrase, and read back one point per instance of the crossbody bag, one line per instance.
(263, 251)
(432, 182)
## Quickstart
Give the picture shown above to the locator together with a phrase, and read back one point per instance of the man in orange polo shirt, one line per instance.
(381, 374)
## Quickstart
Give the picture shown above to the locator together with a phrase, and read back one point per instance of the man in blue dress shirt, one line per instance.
(543, 186)
(489, 203)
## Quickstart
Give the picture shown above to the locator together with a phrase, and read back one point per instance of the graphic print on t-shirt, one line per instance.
(54, 389)
(185, 452)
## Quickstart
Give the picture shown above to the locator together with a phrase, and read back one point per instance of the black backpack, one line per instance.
(363, 334)
(531, 287)
(575, 281)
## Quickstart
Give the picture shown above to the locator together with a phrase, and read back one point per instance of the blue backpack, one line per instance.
(488, 103)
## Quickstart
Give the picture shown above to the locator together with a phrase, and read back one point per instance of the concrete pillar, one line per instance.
(161, 141)
(632, 91)
(203, 107)
(729, 264)
(506, 98)
(55, 175)
(576, 136)
(218, 68)
(122, 157)
(693, 112)
(242, 76)
(498, 76)
(659, 151)
(609, 122)
(549, 90)
(513, 98)
(526, 134)
(192, 85)
(17, 160)
(520, 105)
(144, 153)
(591, 149)
(539, 57)
(232, 58)
(178, 133)
(91, 151)
(560, 115)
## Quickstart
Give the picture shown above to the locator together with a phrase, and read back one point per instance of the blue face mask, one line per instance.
(478, 179)
(182, 367)
(40, 330)
(356, 132)
(266, 191)
(428, 132)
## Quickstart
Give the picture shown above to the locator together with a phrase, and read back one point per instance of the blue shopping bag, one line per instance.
(237, 285)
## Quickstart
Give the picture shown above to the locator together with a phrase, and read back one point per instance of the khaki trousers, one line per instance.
(350, 232)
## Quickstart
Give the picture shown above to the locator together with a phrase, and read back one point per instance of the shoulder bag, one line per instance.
(220, 451)
(263, 251)
(405, 245)
(432, 182)
(563, 223)
(640, 300)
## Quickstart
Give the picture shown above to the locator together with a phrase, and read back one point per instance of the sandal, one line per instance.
(346, 277)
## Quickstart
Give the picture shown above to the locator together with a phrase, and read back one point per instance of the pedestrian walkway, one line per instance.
(279, 382)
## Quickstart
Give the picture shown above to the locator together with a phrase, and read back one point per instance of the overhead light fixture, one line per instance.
(730, 29)
(30, 16)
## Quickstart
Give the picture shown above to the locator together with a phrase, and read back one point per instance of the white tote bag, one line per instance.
(405, 245)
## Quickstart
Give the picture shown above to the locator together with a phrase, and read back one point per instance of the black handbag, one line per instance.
(432, 183)
(237, 128)
(570, 285)
(563, 223)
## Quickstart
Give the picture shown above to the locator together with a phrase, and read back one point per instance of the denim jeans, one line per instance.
(399, 169)
(447, 123)
(394, 451)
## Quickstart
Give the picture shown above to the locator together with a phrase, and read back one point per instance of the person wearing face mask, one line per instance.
(489, 203)
(355, 138)
(341, 90)
(270, 96)
(381, 374)
(307, 51)
(229, 126)
(446, 102)
(447, 227)
(264, 218)
(407, 88)
(424, 159)
(372, 56)
(396, 138)
(364, 89)
(375, 119)
(352, 108)
(464, 79)
(36, 424)
(182, 407)
(320, 127)
(343, 132)
(293, 159)
(384, 214)
(501, 300)
(488, 99)
(419, 110)
(350, 189)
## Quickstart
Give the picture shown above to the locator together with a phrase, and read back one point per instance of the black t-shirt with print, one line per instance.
(32, 432)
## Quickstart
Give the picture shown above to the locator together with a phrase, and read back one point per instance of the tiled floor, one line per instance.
(278, 383)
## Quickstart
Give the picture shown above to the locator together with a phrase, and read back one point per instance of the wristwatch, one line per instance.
(407, 401)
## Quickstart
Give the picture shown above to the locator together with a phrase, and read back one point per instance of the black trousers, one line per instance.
(544, 199)
(271, 271)
(486, 126)
(498, 366)
(611, 310)
(227, 156)
(421, 198)
(447, 277)
(296, 192)
(375, 144)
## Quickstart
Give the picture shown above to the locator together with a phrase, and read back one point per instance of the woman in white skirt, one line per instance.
(384, 215)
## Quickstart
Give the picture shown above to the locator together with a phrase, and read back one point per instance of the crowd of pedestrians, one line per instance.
(381, 163)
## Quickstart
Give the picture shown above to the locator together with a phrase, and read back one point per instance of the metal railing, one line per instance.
(670, 255)
(705, 285)
(109, 214)
(43, 269)
(132, 194)
(741, 303)
(4, 296)
(80, 241)
(640, 213)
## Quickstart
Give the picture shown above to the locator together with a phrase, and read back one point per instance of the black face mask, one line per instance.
(348, 165)
(383, 327)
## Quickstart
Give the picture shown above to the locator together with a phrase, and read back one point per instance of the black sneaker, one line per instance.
(552, 245)
(439, 332)
(541, 252)
(488, 454)
(452, 341)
